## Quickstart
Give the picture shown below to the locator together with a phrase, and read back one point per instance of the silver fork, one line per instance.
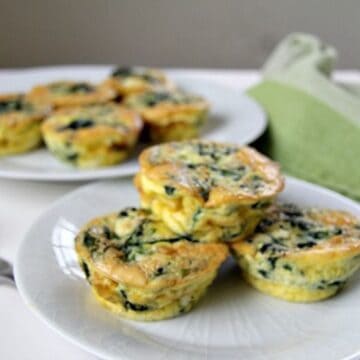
(6, 273)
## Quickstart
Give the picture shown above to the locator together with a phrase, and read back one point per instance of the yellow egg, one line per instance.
(140, 269)
(20, 121)
(61, 94)
(92, 136)
(133, 80)
(300, 254)
(170, 115)
(216, 192)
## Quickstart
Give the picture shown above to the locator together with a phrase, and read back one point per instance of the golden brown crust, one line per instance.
(126, 81)
(166, 114)
(181, 260)
(177, 131)
(163, 165)
(22, 107)
(20, 122)
(184, 253)
(71, 93)
(92, 136)
(301, 254)
(118, 118)
(163, 108)
(315, 235)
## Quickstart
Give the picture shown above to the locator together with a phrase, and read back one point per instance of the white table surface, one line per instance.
(22, 335)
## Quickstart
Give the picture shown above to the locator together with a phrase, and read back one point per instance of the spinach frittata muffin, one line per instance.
(92, 136)
(71, 93)
(301, 254)
(217, 192)
(20, 122)
(140, 269)
(131, 80)
(170, 115)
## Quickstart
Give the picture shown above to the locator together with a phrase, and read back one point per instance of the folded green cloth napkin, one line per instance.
(314, 123)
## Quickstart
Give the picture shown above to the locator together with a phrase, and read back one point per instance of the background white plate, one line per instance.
(234, 118)
(233, 321)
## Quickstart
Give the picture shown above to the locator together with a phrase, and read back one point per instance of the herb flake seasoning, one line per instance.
(169, 190)
(11, 105)
(89, 240)
(77, 124)
(81, 88)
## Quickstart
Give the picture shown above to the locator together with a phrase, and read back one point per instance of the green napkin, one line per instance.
(314, 123)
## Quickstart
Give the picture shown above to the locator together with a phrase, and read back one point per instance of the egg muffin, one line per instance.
(20, 122)
(71, 93)
(299, 254)
(170, 115)
(131, 80)
(92, 136)
(138, 268)
(217, 192)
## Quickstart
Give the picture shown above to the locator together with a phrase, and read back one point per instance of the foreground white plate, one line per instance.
(232, 322)
(234, 118)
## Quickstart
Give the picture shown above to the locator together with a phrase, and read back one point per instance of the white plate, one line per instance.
(234, 118)
(233, 321)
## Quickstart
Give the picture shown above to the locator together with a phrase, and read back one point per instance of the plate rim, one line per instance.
(113, 172)
(88, 346)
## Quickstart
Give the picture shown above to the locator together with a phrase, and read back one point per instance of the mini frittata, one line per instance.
(299, 254)
(130, 80)
(92, 136)
(140, 269)
(71, 93)
(20, 122)
(217, 192)
(170, 115)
